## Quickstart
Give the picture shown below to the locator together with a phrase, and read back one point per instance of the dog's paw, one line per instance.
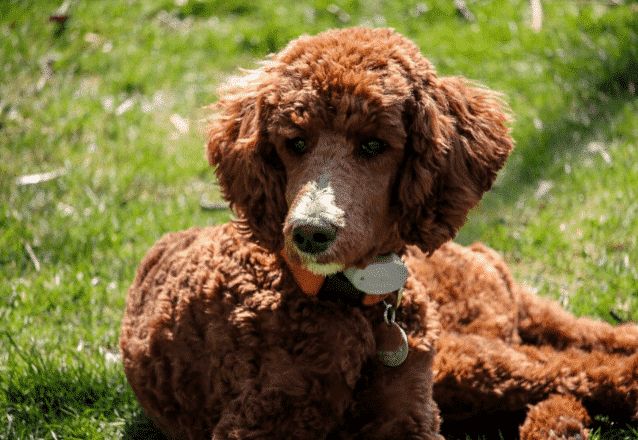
(556, 418)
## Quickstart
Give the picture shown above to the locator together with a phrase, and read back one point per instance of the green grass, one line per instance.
(94, 99)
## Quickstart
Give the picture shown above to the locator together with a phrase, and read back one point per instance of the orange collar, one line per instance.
(310, 283)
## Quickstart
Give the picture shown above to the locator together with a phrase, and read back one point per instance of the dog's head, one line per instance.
(347, 145)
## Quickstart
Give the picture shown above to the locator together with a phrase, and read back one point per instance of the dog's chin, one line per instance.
(311, 263)
(324, 269)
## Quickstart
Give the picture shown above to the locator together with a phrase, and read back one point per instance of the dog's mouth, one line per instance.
(324, 249)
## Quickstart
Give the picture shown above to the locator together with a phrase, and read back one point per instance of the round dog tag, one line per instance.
(392, 344)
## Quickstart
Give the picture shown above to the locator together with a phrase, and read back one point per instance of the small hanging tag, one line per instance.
(392, 344)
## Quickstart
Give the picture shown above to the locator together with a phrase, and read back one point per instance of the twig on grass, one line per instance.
(34, 259)
(537, 15)
(209, 205)
(34, 179)
(462, 8)
(619, 319)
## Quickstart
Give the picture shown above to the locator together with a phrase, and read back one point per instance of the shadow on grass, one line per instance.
(600, 87)
(536, 152)
(598, 105)
(142, 428)
(486, 427)
(494, 427)
(504, 426)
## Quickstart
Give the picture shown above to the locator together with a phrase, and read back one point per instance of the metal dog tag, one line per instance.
(386, 273)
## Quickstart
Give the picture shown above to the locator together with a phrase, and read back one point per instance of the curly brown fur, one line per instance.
(218, 338)
(342, 147)
(565, 414)
(503, 349)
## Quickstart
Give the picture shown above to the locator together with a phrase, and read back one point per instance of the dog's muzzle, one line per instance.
(315, 220)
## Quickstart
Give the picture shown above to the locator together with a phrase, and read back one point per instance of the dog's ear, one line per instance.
(457, 141)
(248, 168)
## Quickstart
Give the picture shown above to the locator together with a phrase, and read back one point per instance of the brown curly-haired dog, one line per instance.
(342, 148)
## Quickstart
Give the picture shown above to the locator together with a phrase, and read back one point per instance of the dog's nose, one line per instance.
(313, 239)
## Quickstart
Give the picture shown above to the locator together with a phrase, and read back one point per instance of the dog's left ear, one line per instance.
(457, 141)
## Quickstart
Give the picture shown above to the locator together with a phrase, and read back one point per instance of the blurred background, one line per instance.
(101, 153)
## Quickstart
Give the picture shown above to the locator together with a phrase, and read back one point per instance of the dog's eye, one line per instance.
(372, 148)
(297, 145)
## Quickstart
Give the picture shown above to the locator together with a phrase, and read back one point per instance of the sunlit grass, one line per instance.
(103, 101)
(571, 236)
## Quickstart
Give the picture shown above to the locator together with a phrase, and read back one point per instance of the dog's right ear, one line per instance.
(249, 170)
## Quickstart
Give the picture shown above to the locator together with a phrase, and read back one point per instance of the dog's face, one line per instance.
(341, 146)
(347, 145)
(339, 193)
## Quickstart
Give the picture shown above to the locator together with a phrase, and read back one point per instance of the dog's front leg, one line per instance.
(306, 376)
(396, 402)
(286, 402)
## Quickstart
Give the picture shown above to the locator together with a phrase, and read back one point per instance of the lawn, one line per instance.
(101, 149)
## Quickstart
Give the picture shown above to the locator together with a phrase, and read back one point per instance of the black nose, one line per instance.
(312, 239)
